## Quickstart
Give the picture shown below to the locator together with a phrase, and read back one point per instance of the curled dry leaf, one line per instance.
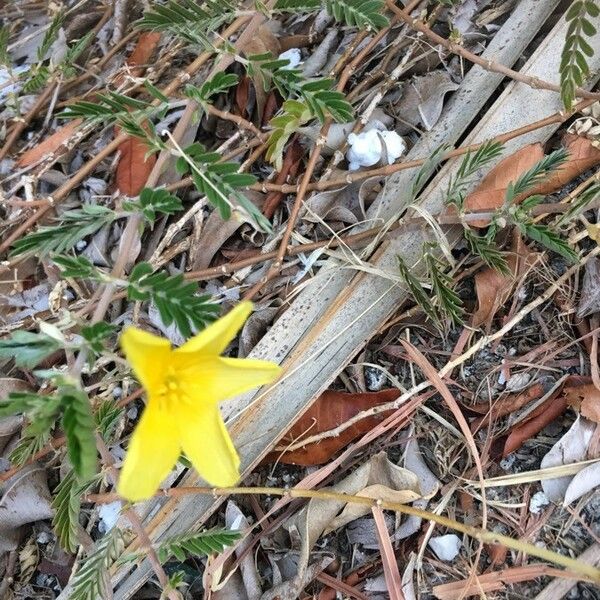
(377, 478)
(422, 101)
(331, 409)
(50, 145)
(585, 398)
(572, 447)
(490, 193)
(493, 288)
(589, 302)
(24, 498)
(585, 481)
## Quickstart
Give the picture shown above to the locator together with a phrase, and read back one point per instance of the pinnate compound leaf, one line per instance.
(80, 427)
(27, 348)
(177, 300)
(90, 578)
(197, 544)
(74, 226)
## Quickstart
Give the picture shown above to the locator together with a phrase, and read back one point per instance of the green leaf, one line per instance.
(428, 168)
(193, 23)
(107, 416)
(549, 239)
(537, 174)
(487, 251)
(177, 301)
(197, 544)
(96, 334)
(221, 82)
(573, 65)
(470, 164)
(67, 506)
(80, 428)
(447, 300)
(27, 447)
(27, 348)
(74, 226)
(318, 95)
(88, 583)
(415, 287)
(579, 204)
(154, 201)
(355, 13)
(4, 55)
(51, 35)
(221, 184)
(77, 266)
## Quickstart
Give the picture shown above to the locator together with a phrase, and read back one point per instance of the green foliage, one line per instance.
(37, 77)
(448, 303)
(175, 299)
(4, 55)
(27, 447)
(221, 82)
(67, 506)
(74, 226)
(107, 416)
(96, 334)
(536, 175)
(27, 348)
(293, 115)
(42, 412)
(471, 163)
(579, 204)
(485, 248)
(51, 35)
(88, 583)
(574, 68)
(196, 544)
(415, 287)
(130, 114)
(152, 201)
(77, 266)
(80, 427)
(188, 20)
(221, 183)
(318, 94)
(548, 238)
(428, 168)
(365, 14)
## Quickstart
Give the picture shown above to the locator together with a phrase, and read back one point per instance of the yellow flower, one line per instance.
(184, 387)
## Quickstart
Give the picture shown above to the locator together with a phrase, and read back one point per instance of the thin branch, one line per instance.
(582, 569)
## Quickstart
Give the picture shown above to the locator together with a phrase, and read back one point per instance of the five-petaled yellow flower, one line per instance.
(184, 387)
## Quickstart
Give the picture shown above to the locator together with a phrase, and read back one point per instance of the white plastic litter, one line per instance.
(6, 76)
(446, 547)
(109, 515)
(293, 55)
(366, 148)
(537, 503)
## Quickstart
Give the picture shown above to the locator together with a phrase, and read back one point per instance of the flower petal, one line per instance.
(216, 337)
(147, 354)
(218, 378)
(206, 442)
(153, 450)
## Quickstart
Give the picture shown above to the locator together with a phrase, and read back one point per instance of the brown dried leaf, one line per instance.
(331, 409)
(134, 166)
(490, 193)
(585, 398)
(50, 145)
(493, 288)
(141, 55)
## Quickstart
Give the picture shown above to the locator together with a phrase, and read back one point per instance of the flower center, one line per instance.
(171, 390)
